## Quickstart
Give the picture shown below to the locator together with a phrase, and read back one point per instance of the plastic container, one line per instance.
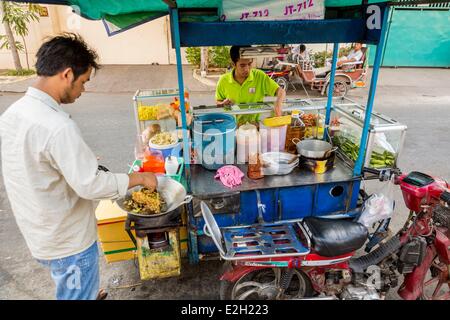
(246, 142)
(177, 177)
(171, 165)
(214, 139)
(272, 138)
(154, 162)
(173, 149)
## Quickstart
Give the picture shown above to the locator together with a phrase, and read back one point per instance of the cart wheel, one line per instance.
(340, 88)
(263, 284)
(282, 82)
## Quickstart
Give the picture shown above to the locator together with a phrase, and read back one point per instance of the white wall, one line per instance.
(37, 32)
(145, 44)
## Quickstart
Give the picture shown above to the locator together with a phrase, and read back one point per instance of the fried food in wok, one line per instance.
(145, 202)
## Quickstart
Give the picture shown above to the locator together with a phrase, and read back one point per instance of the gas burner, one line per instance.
(158, 240)
(156, 233)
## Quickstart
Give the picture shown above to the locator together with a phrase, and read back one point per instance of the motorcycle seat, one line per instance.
(334, 237)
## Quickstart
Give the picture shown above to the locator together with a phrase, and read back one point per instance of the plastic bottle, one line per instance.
(246, 142)
(295, 130)
(295, 119)
(171, 165)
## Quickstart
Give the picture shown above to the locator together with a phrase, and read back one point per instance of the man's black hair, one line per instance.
(302, 47)
(235, 54)
(67, 50)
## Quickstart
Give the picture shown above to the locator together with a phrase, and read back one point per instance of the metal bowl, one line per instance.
(314, 149)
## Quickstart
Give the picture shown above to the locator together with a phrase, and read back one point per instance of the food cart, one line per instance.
(301, 193)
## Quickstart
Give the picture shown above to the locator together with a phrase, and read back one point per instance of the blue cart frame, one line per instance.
(270, 32)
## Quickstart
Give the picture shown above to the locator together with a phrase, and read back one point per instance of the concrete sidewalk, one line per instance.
(127, 78)
(434, 82)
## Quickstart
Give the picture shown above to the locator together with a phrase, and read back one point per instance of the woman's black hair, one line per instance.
(67, 50)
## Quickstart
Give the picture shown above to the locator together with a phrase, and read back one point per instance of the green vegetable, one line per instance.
(351, 150)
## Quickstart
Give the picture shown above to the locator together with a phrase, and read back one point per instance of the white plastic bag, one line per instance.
(378, 206)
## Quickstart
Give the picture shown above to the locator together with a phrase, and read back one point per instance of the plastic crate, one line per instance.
(176, 177)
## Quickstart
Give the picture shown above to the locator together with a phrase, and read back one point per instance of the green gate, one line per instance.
(418, 36)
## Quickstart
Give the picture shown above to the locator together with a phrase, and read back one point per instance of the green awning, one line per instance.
(119, 15)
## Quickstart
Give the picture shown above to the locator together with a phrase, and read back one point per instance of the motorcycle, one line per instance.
(329, 270)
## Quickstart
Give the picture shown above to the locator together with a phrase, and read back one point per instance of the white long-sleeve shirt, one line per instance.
(51, 177)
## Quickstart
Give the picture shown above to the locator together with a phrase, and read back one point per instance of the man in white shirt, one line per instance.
(355, 55)
(51, 175)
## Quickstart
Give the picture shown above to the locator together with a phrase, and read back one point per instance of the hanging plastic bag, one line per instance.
(378, 206)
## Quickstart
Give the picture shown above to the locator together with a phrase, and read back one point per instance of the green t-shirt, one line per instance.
(253, 90)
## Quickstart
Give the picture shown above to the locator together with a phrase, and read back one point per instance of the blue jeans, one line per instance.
(76, 277)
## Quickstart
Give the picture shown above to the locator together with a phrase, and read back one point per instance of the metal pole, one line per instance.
(373, 85)
(331, 88)
(176, 37)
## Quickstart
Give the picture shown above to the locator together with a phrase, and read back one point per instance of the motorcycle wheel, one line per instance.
(436, 285)
(340, 88)
(263, 284)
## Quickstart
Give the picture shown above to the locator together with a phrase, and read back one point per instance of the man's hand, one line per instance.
(226, 102)
(145, 179)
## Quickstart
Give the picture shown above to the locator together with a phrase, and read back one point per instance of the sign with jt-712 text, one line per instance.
(253, 10)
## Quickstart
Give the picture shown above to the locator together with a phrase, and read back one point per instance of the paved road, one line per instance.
(419, 98)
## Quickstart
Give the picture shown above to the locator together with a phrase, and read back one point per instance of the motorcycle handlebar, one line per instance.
(383, 174)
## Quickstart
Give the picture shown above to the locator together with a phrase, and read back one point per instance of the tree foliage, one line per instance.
(218, 57)
(17, 16)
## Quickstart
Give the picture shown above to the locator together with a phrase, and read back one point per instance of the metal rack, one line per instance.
(153, 97)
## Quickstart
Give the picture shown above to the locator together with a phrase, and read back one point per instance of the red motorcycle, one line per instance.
(314, 258)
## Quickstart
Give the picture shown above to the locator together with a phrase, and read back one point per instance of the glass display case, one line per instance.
(385, 140)
(154, 106)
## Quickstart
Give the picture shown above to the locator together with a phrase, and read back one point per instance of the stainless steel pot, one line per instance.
(170, 190)
(313, 149)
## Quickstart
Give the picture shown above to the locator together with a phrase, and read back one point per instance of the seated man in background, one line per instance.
(355, 55)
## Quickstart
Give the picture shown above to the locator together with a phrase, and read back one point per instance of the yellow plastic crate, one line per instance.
(114, 240)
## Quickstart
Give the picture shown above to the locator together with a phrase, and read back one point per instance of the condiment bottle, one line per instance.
(171, 165)
(254, 170)
(295, 130)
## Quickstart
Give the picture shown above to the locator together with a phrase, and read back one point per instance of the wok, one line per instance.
(173, 193)
(314, 149)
